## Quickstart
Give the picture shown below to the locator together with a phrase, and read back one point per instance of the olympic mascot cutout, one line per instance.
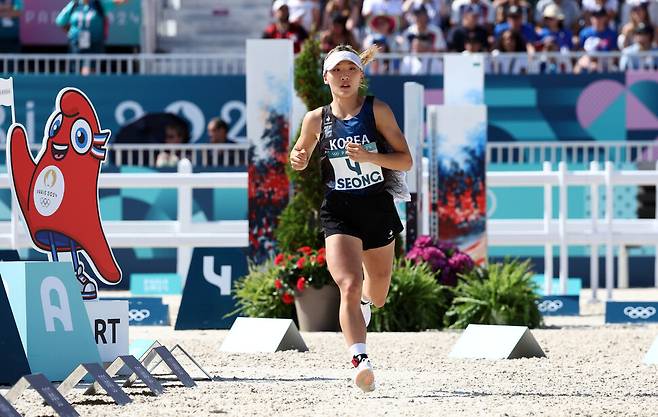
(58, 192)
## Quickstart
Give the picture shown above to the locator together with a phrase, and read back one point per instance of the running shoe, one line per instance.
(364, 377)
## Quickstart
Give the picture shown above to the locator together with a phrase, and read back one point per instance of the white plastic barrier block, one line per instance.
(252, 335)
(109, 324)
(496, 342)
(651, 357)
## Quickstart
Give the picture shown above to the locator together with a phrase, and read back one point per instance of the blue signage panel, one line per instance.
(559, 305)
(146, 311)
(155, 284)
(14, 364)
(631, 312)
(208, 293)
(574, 285)
(50, 316)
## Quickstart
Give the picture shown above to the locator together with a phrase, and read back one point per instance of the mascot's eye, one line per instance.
(81, 136)
(55, 125)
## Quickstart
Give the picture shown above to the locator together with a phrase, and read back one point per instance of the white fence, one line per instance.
(236, 154)
(547, 231)
(234, 63)
(183, 233)
(563, 232)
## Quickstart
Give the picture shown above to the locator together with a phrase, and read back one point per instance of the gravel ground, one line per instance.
(591, 370)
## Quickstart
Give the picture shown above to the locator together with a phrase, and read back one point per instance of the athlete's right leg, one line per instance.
(344, 261)
(344, 258)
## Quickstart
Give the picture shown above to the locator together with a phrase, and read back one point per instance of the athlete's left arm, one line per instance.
(400, 158)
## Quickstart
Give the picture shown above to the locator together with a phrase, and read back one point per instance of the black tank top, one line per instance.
(339, 173)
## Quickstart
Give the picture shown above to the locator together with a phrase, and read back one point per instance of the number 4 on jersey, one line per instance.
(353, 166)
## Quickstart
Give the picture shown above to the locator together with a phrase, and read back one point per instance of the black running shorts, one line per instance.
(371, 218)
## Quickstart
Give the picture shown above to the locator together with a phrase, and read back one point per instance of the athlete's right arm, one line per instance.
(301, 152)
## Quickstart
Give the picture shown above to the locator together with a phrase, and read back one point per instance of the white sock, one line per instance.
(365, 300)
(357, 349)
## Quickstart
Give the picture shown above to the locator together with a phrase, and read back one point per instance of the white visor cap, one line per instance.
(340, 56)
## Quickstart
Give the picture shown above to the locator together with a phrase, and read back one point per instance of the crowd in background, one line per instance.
(471, 26)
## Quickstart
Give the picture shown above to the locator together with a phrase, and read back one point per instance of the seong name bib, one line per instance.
(350, 175)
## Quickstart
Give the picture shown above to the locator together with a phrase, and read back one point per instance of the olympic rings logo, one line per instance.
(138, 315)
(549, 306)
(45, 201)
(639, 312)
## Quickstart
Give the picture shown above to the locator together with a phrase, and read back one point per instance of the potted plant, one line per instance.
(503, 293)
(303, 279)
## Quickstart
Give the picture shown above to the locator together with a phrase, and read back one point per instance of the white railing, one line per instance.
(548, 231)
(618, 152)
(514, 63)
(234, 63)
(236, 154)
(109, 64)
(563, 232)
(182, 233)
(204, 155)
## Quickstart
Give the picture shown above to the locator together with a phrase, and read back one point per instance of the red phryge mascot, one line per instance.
(58, 193)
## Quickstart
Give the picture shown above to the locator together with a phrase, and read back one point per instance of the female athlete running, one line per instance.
(362, 152)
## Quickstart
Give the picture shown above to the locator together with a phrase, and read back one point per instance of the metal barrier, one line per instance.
(234, 63)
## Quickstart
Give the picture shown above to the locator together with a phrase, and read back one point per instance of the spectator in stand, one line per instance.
(282, 28)
(554, 29)
(596, 38)
(569, 8)
(338, 34)
(372, 8)
(651, 6)
(438, 11)
(509, 42)
(305, 13)
(86, 25)
(514, 22)
(639, 15)
(420, 65)
(473, 44)
(347, 8)
(483, 9)
(379, 65)
(552, 64)
(383, 29)
(468, 28)
(218, 131)
(502, 7)
(175, 134)
(85, 22)
(425, 30)
(610, 6)
(642, 42)
(218, 135)
(10, 11)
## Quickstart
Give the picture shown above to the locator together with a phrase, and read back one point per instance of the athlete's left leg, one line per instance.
(377, 270)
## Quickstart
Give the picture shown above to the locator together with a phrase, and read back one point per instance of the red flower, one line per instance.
(300, 262)
(301, 283)
(321, 259)
(278, 284)
(287, 298)
(322, 251)
(306, 250)
(280, 258)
